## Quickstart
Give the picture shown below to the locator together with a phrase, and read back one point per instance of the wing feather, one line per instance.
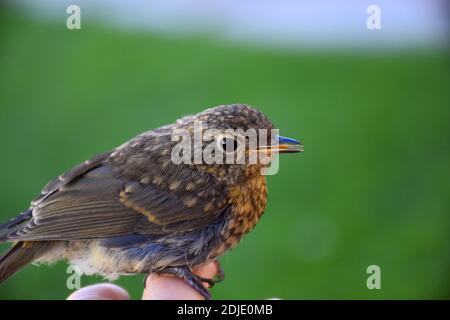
(97, 204)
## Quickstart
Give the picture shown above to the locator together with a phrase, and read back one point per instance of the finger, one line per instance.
(104, 291)
(208, 270)
(167, 287)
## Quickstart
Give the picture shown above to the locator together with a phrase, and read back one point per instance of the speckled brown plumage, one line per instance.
(132, 210)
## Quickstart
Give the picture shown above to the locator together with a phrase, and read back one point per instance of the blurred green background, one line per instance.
(372, 186)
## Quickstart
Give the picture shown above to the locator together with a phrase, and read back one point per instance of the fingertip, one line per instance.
(104, 291)
(166, 287)
(208, 270)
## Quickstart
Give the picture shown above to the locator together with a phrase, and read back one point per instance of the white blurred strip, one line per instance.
(309, 23)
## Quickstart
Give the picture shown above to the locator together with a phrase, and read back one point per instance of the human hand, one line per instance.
(157, 287)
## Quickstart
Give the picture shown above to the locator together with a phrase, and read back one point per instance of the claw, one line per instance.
(145, 279)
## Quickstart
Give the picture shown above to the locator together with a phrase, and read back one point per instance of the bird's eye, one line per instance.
(228, 144)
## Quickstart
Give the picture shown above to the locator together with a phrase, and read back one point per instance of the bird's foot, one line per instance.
(193, 280)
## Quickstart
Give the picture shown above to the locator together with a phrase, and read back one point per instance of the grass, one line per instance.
(371, 188)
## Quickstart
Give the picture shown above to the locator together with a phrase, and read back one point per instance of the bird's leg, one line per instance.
(194, 281)
(187, 274)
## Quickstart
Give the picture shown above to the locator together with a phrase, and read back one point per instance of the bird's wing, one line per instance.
(96, 204)
(54, 185)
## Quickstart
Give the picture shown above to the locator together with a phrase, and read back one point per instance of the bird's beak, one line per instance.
(285, 145)
(288, 145)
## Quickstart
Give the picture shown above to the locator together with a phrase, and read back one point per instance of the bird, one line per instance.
(133, 210)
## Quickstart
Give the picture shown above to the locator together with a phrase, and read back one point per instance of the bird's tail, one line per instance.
(21, 254)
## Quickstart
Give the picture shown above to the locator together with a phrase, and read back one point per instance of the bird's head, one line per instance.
(230, 140)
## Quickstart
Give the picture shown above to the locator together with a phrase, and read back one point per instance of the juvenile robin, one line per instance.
(135, 210)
